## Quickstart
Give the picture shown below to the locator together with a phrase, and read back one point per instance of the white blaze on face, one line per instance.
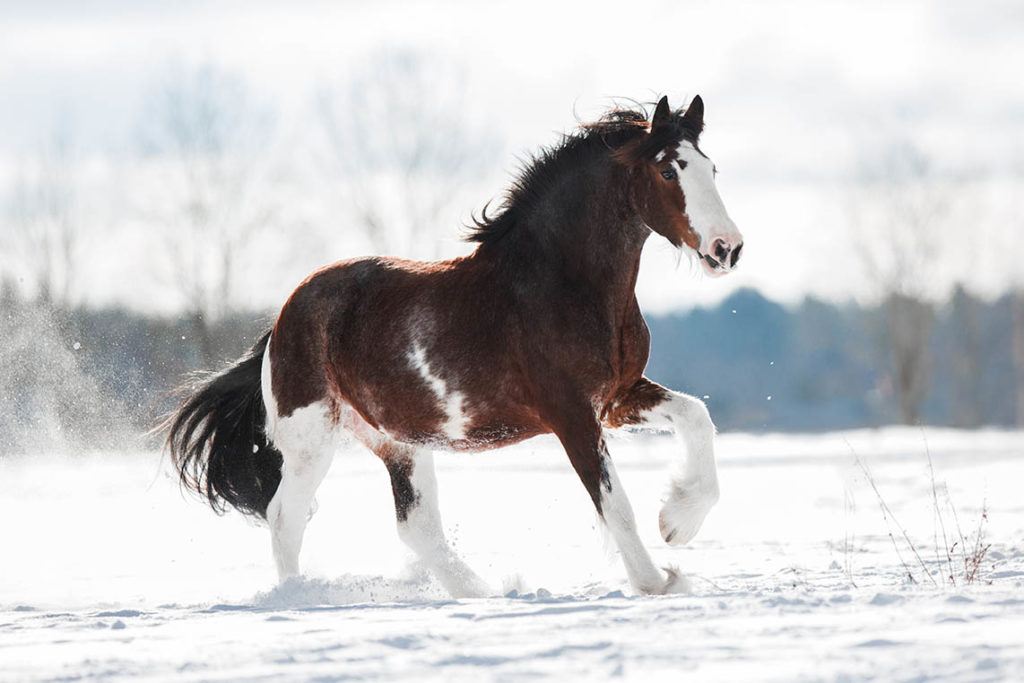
(456, 421)
(704, 207)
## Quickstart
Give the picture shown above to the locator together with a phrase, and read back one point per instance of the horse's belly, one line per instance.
(433, 413)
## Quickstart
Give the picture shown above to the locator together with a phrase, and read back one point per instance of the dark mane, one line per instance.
(620, 132)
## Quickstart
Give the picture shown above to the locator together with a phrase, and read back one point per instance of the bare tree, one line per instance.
(45, 232)
(206, 140)
(966, 359)
(402, 141)
(901, 220)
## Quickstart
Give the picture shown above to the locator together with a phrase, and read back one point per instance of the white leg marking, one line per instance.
(456, 421)
(693, 488)
(423, 532)
(290, 509)
(618, 516)
(307, 440)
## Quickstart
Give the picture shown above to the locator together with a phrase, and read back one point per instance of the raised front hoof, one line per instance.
(683, 514)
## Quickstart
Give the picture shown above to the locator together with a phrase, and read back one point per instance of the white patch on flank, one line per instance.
(456, 422)
(704, 206)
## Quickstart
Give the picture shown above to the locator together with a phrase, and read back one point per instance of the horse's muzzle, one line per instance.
(723, 257)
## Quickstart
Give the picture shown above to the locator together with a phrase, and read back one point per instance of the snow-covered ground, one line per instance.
(107, 571)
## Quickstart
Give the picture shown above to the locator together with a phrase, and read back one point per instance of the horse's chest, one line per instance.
(594, 357)
(634, 349)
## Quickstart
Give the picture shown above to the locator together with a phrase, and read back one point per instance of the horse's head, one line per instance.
(674, 189)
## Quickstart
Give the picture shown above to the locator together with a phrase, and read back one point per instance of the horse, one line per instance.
(537, 331)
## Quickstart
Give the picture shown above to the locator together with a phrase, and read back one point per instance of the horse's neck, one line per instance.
(599, 245)
(609, 261)
(595, 254)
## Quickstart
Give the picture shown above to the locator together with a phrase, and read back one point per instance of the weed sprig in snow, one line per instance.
(972, 552)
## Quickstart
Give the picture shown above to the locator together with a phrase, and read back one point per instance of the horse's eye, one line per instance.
(669, 174)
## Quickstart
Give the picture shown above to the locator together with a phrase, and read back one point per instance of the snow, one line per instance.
(108, 571)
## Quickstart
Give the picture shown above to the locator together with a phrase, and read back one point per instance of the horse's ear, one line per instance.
(694, 116)
(662, 113)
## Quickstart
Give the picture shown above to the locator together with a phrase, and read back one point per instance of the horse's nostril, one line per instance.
(721, 251)
(736, 255)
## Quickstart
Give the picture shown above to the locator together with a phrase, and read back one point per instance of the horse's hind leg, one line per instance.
(693, 489)
(414, 485)
(307, 440)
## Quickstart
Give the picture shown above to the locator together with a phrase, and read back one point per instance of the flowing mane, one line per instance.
(620, 132)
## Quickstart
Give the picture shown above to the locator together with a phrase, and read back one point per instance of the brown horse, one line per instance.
(537, 331)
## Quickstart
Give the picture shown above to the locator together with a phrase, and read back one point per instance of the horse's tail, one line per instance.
(217, 439)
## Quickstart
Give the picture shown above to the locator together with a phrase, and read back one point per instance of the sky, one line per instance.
(799, 96)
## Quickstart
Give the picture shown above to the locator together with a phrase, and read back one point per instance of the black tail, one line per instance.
(217, 438)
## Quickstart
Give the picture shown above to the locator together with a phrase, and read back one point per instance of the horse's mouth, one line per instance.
(711, 266)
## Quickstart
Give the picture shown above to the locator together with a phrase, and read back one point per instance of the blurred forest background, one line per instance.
(883, 284)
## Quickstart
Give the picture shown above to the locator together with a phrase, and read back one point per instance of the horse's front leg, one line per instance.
(693, 487)
(585, 445)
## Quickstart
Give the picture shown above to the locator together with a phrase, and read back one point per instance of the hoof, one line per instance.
(464, 584)
(683, 513)
(676, 582)
(673, 582)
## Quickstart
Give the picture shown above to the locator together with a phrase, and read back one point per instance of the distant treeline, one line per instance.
(819, 366)
(94, 377)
